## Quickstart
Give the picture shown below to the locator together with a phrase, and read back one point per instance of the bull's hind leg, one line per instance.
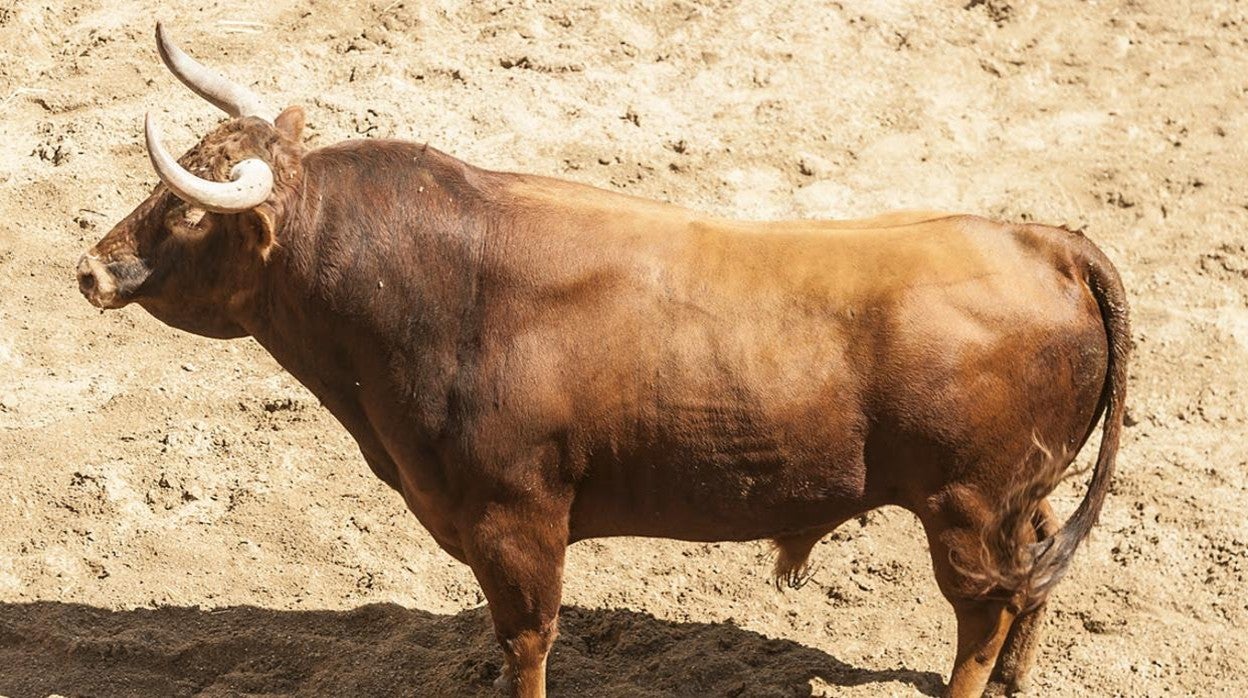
(517, 556)
(956, 534)
(982, 629)
(1019, 653)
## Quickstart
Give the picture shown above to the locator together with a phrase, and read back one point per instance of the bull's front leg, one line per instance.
(516, 550)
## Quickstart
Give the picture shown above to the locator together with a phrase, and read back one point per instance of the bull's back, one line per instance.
(712, 379)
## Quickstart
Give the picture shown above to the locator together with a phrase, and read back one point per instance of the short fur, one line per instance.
(532, 362)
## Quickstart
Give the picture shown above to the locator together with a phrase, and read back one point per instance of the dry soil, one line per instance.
(178, 516)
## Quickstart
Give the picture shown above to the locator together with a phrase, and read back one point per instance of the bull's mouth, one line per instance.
(106, 286)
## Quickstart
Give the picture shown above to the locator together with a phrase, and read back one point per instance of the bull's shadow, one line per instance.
(384, 649)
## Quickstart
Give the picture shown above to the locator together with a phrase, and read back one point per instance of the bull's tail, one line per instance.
(1004, 566)
(1051, 557)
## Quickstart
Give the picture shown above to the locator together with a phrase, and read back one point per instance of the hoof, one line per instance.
(996, 687)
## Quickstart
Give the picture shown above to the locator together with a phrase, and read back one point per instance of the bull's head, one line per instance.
(193, 252)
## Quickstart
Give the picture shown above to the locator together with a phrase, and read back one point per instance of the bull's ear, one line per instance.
(263, 229)
(290, 122)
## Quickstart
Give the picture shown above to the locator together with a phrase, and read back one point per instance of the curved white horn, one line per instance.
(251, 181)
(229, 97)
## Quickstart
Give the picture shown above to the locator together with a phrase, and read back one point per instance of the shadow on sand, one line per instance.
(385, 649)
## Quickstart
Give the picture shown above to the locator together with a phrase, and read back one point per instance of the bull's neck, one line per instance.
(373, 287)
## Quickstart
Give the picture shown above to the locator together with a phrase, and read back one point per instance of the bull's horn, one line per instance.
(251, 181)
(229, 97)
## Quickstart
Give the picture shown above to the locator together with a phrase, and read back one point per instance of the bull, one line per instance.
(532, 362)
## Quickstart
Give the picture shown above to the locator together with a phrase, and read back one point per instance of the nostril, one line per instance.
(86, 276)
(86, 281)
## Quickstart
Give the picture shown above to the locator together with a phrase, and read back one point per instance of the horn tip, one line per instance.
(151, 129)
(162, 43)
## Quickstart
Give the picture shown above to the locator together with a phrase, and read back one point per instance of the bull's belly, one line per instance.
(739, 440)
(718, 497)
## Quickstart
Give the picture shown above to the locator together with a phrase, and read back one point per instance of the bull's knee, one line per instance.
(527, 649)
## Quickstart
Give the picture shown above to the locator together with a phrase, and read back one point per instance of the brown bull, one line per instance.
(532, 362)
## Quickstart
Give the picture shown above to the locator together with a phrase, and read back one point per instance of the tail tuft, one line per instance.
(1003, 569)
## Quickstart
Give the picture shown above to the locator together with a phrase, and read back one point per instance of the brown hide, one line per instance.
(532, 362)
(490, 335)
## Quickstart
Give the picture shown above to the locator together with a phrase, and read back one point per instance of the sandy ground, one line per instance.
(178, 516)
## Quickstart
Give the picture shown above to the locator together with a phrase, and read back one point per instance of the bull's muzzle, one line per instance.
(96, 283)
